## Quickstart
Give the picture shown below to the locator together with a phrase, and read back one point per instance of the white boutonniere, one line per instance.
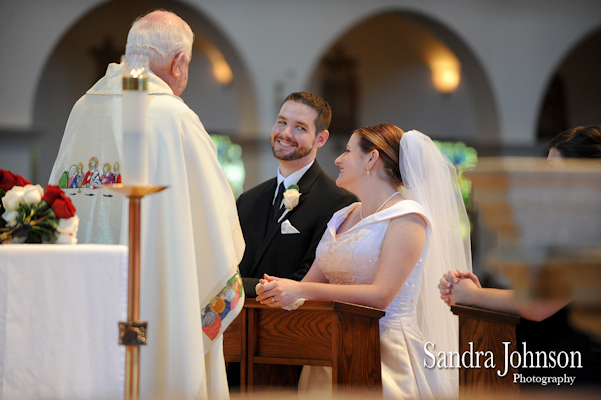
(290, 200)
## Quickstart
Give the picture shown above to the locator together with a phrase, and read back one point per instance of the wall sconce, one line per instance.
(446, 74)
(221, 69)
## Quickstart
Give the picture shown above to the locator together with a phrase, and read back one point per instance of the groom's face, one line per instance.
(294, 134)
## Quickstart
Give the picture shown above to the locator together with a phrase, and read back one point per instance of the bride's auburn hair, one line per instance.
(386, 139)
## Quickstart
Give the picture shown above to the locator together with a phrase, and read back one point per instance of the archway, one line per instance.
(80, 58)
(393, 54)
(573, 94)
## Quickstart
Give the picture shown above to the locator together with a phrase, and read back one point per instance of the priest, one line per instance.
(191, 240)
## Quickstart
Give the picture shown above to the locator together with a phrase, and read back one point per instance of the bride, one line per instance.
(388, 252)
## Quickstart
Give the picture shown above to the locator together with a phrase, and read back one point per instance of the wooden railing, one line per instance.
(271, 343)
(485, 331)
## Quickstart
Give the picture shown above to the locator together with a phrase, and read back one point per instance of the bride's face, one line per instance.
(352, 163)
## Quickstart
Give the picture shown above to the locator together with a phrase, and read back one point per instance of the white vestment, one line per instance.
(191, 238)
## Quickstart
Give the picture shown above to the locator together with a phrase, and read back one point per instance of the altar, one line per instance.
(59, 311)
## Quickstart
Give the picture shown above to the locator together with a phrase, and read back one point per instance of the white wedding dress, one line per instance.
(352, 258)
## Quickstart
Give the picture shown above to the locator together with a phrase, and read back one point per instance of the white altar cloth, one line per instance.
(59, 311)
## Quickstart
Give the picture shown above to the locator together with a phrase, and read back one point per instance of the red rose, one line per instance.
(59, 202)
(63, 208)
(52, 193)
(8, 180)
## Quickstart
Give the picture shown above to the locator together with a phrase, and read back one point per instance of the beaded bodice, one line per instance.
(352, 258)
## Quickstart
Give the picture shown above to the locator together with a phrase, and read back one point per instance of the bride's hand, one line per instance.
(259, 288)
(268, 278)
(277, 292)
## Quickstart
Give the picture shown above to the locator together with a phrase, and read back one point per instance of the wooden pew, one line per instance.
(270, 344)
(486, 330)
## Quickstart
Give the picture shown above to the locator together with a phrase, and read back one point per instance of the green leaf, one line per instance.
(21, 215)
(42, 234)
(43, 206)
(25, 207)
(294, 187)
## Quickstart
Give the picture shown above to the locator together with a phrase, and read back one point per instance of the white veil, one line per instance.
(431, 179)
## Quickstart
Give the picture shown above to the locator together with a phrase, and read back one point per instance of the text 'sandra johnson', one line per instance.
(515, 359)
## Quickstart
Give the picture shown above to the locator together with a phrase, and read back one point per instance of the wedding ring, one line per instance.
(273, 298)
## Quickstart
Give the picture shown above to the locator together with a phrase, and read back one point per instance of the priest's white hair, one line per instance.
(161, 35)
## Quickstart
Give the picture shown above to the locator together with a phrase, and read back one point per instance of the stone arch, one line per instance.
(391, 50)
(98, 37)
(572, 95)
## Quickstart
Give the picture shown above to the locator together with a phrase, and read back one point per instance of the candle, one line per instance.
(135, 103)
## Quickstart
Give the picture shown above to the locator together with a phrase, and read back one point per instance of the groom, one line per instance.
(280, 241)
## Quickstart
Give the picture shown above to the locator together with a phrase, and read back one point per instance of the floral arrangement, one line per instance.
(31, 216)
(290, 199)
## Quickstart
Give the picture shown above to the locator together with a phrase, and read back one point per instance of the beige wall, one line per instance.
(514, 48)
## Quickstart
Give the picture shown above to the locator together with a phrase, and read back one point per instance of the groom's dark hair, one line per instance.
(324, 112)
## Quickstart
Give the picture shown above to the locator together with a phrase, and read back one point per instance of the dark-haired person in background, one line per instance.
(579, 142)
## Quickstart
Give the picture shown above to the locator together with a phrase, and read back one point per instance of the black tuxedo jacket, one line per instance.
(286, 255)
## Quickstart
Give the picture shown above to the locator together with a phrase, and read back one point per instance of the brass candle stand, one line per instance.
(132, 333)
